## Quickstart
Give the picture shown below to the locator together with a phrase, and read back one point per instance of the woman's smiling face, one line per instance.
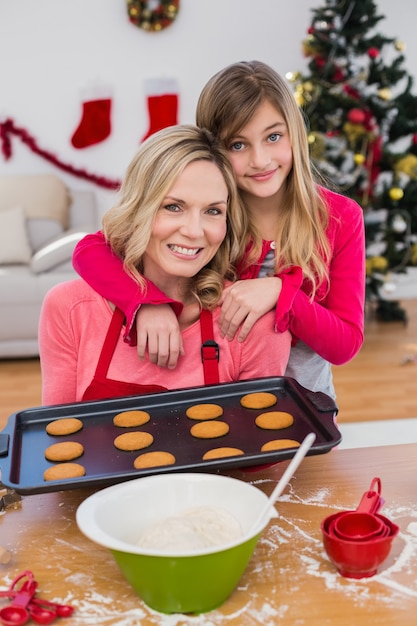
(189, 226)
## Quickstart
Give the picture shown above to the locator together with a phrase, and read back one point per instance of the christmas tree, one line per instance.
(362, 121)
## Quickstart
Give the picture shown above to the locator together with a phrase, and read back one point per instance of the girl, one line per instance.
(178, 223)
(305, 244)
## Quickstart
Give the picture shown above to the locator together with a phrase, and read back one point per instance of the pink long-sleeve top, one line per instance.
(332, 325)
(73, 325)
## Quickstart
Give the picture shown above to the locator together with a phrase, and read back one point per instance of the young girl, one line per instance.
(305, 243)
(178, 223)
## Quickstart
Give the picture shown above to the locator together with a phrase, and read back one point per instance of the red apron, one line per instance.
(102, 387)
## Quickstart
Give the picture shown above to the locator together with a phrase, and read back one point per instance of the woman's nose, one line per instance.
(192, 225)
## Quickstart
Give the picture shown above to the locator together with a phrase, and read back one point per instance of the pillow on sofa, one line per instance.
(56, 251)
(14, 240)
(41, 231)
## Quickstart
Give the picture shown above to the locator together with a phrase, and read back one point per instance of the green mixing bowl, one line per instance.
(195, 582)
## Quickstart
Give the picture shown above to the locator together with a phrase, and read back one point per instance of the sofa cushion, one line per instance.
(57, 251)
(41, 231)
(40, 195)
(14, 240)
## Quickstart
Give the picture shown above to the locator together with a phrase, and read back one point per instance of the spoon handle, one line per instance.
(285, 478)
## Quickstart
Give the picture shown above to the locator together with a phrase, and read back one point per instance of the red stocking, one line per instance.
(95, 123)
(162, 100)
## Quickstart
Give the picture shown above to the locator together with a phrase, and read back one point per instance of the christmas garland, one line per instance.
(9, 128)
(141, 15)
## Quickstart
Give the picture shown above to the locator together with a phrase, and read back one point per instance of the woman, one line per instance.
(177, 228)
(305, 253)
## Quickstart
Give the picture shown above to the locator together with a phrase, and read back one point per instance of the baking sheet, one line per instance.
(24, 440)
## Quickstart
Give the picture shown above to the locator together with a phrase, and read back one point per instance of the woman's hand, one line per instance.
(245, 302)
(158, 332)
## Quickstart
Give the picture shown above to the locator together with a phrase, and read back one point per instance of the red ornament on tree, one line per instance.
(373, 53)
(356, 116)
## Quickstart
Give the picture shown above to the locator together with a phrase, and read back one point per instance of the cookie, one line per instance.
(274, 420)
(63, 471)
(220, 453)
(133, 441)
(129, 419)
(64, 426)
(154, 459)
(64, 451)
(209, 430)
(258, 400)
(279, 444)
(204, 411)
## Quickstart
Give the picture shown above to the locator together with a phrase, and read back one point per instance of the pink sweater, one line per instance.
(73, 324)
(332, 325)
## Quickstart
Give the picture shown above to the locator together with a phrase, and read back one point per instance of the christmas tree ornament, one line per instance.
(95, 123)
(408, 166)
(359, 158)
(396, 193)
(399, 45)
(153, 15)
(373, 53)
(356, 116)
(385, 94)
(398, 224)
(162, 103)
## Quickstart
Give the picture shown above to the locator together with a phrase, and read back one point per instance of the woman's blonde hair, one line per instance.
(226, 104)
(152, 172)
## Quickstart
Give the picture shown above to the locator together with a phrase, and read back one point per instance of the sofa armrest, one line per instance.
(57, 250)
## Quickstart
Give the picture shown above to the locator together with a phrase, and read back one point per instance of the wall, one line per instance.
(51, 51)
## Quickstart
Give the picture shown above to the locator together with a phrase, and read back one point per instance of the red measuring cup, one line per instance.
(362, 524)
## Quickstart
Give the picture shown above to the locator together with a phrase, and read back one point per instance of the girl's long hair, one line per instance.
(160, 160)
(226, 104)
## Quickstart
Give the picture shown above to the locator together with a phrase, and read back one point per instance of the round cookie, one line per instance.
(204, 411)
(209, 430)
(63, 471)
(258, 400)
(274, 420)
(64, 451)
(131, 419)
(64, 426)
(279, 444)
(133, 441)
(220, 453)
(154, 459)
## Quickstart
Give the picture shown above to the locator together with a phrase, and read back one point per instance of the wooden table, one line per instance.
(289, 581)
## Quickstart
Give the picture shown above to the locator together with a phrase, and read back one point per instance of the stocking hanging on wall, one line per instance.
(162, 104)
(95, 124)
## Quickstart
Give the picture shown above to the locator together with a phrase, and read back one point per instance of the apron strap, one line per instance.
(210, 350)
(110, 343)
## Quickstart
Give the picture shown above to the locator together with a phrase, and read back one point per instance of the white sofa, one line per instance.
(41, 221)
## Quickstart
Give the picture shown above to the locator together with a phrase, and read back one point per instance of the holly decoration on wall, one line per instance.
(153, 15)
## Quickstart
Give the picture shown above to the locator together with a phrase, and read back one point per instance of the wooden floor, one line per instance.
(376, 385)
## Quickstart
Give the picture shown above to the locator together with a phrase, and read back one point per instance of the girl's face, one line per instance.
(189, 226)
(261, 154)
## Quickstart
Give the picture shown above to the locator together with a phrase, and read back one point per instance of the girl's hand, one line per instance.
(158, 331)
(245, 302)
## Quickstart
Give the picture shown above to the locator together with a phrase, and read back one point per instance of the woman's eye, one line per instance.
(171, 207)
(237, 146)
(215, 211)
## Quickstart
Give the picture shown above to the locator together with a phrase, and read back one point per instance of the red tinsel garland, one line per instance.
(9, 128)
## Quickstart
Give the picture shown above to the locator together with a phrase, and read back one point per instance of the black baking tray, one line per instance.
(24, 440)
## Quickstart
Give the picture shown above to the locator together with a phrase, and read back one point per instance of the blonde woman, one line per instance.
(305, 246)
(177, 227)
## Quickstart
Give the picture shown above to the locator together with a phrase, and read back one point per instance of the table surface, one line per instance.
(289, 580)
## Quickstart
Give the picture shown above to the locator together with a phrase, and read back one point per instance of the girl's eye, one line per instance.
(274, 137)
(237, 146)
